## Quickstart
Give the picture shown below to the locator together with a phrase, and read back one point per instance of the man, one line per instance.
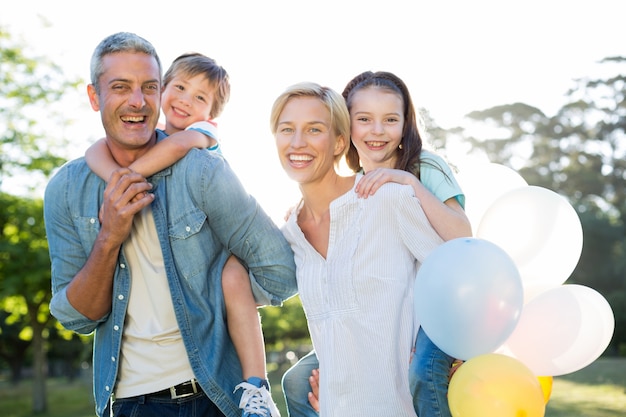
(147, 276)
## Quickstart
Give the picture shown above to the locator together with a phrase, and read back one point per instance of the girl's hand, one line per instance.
(454, 367)
(373, 180)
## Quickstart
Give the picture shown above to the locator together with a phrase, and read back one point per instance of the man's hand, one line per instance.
(126, 194)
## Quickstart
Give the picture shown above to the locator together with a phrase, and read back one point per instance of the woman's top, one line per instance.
(359, 300)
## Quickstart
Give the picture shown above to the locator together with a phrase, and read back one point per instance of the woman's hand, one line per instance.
(314, 395)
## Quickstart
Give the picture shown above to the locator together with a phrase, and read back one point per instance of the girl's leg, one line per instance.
(296, 386)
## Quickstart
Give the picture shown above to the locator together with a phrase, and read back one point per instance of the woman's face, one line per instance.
(377, 120)
(305, 140)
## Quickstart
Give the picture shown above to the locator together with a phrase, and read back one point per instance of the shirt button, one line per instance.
(92, 220)
(123, 266)
(116, 328)
(112, 358)
(120, 297)
(188, 228)
(108, 388)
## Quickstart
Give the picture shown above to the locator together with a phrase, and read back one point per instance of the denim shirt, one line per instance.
(202, 215)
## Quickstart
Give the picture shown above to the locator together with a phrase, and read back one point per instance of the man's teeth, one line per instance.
(133, 119)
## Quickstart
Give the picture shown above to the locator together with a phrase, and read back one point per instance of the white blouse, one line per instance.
(359, 301)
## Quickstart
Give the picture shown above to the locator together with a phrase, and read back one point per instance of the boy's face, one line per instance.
(185, 101)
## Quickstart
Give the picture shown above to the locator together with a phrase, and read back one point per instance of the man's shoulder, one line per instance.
(73, 176)
(71, 168)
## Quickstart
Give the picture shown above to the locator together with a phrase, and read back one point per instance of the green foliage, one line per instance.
(284, 326)
(25, 277)
(25, 263)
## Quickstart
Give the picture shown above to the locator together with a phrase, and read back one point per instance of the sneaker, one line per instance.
(256, 400)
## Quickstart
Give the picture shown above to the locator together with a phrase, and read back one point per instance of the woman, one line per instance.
(356, 259)
(387, 146)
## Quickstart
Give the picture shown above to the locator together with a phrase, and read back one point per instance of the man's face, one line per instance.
(129, 100)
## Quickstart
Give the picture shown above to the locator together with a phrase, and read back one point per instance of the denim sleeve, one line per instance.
(67, 251)
(246, 230)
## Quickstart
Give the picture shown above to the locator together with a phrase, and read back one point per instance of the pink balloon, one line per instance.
(561, 330)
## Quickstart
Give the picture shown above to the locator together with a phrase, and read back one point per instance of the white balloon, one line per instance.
(540, 230)
(482, 184)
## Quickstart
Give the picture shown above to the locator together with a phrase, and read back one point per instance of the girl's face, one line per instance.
(186, 101)
(305, 141)
(377, 120)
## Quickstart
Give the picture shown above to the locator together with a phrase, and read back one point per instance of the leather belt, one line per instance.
(182, 390)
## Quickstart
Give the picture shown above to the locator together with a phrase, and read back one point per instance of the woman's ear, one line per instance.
(340, 145)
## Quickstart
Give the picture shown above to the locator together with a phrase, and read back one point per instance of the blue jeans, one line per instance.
(428, 381)
(296, 386)
(429, 377)
(197, 405)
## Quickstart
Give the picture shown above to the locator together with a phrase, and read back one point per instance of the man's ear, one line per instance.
(93, 97)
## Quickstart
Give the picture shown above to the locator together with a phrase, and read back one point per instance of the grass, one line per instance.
(599, 390)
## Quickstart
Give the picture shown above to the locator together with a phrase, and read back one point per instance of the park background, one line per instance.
(471, 65)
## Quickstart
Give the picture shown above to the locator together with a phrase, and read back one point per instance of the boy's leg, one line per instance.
(244, 327)
(429, 378)
(243, 320)
(296, 386)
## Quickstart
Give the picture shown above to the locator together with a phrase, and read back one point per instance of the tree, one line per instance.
(31, 89)
(25, 277)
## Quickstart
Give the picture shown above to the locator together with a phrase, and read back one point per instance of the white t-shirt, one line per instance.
(153, 355)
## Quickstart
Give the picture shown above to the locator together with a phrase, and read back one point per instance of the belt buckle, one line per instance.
(175, 395)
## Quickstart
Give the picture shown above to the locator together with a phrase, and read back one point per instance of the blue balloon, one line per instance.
(468, 297)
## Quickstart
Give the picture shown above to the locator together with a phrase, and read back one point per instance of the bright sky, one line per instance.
(455, 55)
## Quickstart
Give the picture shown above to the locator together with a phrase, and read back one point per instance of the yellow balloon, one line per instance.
(495, 385)
(546, 387)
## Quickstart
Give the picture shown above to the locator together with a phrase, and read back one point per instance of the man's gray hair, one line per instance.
(119, 42)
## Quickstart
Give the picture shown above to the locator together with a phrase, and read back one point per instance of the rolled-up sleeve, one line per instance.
(67, 254)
